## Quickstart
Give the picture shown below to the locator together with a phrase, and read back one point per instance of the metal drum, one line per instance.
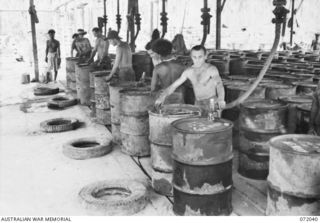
(134, 121)
(294, 175)
(233, 91)
(114, 89)
(303, 118)
(161, 142)
(70, 72)
(202, 166)
(294, 115)
(83, 82)
(274, 91)
(259, 121)
(101, 97)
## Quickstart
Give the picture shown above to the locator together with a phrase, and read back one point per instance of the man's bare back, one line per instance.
(125, 55)
(165, 74)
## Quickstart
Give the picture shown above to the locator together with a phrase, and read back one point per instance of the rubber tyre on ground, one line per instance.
(125, 197)
(59, 125)
(41, 91)
(61, 102)
(86, 148)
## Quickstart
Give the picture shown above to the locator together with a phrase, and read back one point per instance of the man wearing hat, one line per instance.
(123, 62)
(101, 48)
(53, 54)
(83, 45)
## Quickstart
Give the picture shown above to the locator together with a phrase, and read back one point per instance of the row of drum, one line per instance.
(192, 157)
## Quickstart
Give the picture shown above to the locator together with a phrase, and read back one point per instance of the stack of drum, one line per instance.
(161, 143)
(102, 97)
(83, 82)
(294, 176)
(202, 166)
(70, 72)
(134, 120)
(114, 89)
(259, 121)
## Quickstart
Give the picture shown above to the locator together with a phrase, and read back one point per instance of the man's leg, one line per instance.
(55, 75)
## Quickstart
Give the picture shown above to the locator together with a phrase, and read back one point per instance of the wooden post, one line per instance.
(218, 25)
(292, 18)
(34, 44)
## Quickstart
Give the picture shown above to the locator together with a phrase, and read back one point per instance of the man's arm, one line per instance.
(58, 49)
(73, 46)
(47, 50)
(154, 79)
(94, 51)
(116, 63)
(169, 90)
(219, 86)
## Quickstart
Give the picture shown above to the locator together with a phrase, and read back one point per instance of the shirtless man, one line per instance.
(83, 45)
(101, 47)
(123, 62)
(53, 54)
(166, 72)
(73, 45)
(205, 80)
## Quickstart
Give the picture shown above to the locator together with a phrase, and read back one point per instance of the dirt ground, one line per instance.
(35, 177)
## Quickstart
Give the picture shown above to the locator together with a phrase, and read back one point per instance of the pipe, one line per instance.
(292, 17)
(280, 13)
(105, 16)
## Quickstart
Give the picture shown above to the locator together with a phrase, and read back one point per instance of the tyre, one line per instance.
(59, 125)
(120, 197)
(41, 91)
(61, 102)
(86, 148)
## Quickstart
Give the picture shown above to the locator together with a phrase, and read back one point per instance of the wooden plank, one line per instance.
(243, 206)
(254, 190)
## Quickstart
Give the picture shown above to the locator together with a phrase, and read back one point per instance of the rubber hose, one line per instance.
(266, 66)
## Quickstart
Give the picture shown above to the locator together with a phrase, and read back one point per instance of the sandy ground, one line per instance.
(35, 177)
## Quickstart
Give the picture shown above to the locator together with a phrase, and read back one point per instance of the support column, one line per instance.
(34, 40)
(218, 25)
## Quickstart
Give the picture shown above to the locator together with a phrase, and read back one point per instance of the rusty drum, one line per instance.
(294, 175)
(83, 82)
(202, 166)
(102, 97)
(114, 89)
(161, 142)
(294, 115)
(259, 121)
(134, 121)
(274, 91)
(70, 72)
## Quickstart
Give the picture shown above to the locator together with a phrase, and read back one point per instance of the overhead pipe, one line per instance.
(134, 18)
(118, 16)
(205, 21)
(105, 17)
(164, 19)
